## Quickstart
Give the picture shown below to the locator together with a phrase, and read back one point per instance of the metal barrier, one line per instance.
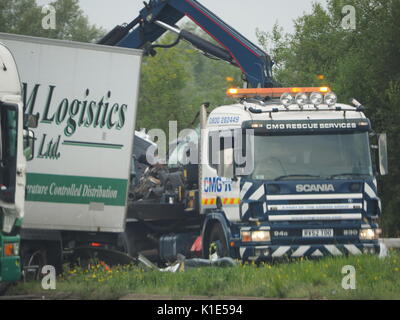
(391, 243)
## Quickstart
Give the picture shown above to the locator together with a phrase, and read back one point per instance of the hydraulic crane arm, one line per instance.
(160, 16)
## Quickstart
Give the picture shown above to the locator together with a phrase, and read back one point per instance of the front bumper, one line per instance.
(254, 253)
(10, 269)
(10, 266)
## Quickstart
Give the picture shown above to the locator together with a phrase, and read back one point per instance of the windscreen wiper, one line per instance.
(298, 176)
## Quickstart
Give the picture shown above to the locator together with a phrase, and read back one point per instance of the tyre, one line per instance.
(4, 287)
(217, 247)
(127, 243)
(133, 240)
(33, 260)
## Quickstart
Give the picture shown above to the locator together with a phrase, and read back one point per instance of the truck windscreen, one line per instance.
(328, 156)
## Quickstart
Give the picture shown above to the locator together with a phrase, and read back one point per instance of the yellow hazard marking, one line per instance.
(225, 201)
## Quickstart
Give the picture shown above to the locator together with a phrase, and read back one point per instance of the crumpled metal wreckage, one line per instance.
(182, 264)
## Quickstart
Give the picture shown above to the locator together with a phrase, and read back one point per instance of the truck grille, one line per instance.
(315, 207)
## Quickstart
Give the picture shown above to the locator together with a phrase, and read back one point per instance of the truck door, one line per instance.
(220, 186)
(8, 151)
(252, 191)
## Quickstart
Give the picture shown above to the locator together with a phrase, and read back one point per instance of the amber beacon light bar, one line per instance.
(272, 92)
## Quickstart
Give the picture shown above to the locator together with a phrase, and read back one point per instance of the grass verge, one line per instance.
(322, 279)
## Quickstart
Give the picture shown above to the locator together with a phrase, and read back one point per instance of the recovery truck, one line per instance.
(309, 189)
(289, 176)
(80, 190)
(312, 190)
(14, 141)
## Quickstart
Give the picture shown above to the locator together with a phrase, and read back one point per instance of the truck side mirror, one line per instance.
(29, 144)
(226, 166)
(383, 156)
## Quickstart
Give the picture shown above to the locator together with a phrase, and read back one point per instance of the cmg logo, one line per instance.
(217, 184)
(213, 184)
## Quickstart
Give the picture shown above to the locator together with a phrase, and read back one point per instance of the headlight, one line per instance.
(256, 236)
(316, 98)
(261, 236)
(287, 99)
(369, 234)
(301, 99)
(330, 99)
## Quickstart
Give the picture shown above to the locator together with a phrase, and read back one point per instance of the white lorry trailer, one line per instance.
(85, 97)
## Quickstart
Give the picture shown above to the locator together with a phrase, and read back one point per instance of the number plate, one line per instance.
(318, 233)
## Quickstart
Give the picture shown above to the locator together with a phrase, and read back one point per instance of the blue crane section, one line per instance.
(159, 16)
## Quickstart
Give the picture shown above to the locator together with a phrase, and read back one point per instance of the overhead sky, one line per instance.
(243, 15)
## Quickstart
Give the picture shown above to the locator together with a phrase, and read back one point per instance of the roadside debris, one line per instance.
(383, 252)
(182, 264)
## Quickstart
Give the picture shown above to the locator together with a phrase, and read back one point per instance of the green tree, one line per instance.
(25, 17)
(73, 24)
(20, 16)
(363, 63)
(163, 78)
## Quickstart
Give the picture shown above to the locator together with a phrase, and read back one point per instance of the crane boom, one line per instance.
(159, 16)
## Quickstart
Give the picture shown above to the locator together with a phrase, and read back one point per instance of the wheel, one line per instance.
(133, 240)
(127, 243)
(217, 245)
(33, 263)
(4, 287)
